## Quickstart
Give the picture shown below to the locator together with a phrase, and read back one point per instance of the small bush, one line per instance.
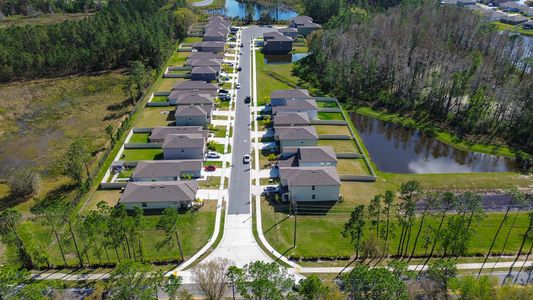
(23, 183)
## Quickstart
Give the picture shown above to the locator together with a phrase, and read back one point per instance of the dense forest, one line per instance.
(443, 64)
(36, 7)
(123, 32)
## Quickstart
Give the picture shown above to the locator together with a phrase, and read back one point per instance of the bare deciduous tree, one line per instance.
(211, 277)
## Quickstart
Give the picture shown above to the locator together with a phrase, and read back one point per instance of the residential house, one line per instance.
(204, 56)
(290, 32)
(306, 106)
(514, 19)
(288, 119)
(304, 25)
(167, 170)
(295, 136)
(527, 11)
(211, 62)
(158, 134)
(280, 97)
(187, 98)
(159, 195)
(309, 184)
(205, 73)
(318, 156)
(528, 25)
(466, 2)
(511, 6)
(215, 47)
(276, 43)
(184, 146)
(196, 86)
(192, 115)
(218, 35)
(448, 2)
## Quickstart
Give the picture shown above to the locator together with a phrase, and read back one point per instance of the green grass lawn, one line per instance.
(178, 58)
(217, 164)
(155, 116)
(126, 173)
(330, 116)
(332, 129)
(352, 167)
(166, 84)
(518, 28)
(267, 84)
(222, 105)
(299, 48)
(139, 138)
(327, 104)
(160, 99)
(192, 39)
(212, 182)
(339, 145)
(141, 154)
(219, 131)
(218, 148)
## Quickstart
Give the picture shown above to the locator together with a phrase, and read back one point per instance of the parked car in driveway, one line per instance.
(238, 86)
(269, 190)
(239, 69)
(222, 91)
(212, 154)
(246, 159)
(210, 168)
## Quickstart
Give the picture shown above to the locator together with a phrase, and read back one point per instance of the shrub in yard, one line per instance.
(23, 182)
(272, 157)
(212, 145)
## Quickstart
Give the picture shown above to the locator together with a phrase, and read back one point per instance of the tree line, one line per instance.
(36, 7)
(439, 64)
(125, 31)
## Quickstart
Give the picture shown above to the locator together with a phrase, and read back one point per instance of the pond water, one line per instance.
(396, 149)
(236, 9)
(284, 58)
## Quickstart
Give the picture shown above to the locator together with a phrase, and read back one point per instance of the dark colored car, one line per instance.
(270, 190)
(210, 168)
(239, 69)
(247, 99)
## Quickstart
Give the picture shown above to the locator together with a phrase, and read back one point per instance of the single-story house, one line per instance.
(193, 115)
(511, 6)
(528, 25)
(205, 73)
(318, 156)
(218, 21)
(295, 136)
(288, 119)
(218, 35)
(211, 62)
(184, 146)
(527, 11)
(215, 47)
(188, 98)
(276, 43)
(167, 170)
(305, 106)
(466, 2)
(159, 195)
(304, 25)
(280, 97)
(158, 134)
(299, 21)
(514, 19)
(290, 32)
(309, 184)
(204, 56)
(196, 86)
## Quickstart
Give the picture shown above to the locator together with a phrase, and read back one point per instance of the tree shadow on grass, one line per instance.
(302, 208)
(59, 193)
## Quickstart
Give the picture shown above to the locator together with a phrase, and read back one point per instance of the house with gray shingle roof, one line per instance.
(184, 146)
(188, 98)
(276, 43)
(514, 19)
(210, 62)
(205, 73)
(204, 56)
(528, 25)
(159, 195)
(309, 184)
(318, 156)
(305, 106)
(215, 47)
(196, 86)
(290, 32)
(166, 170)
(511, 6)
(288, 119)
(192, 115)
(215, 34)
(280, 97)
(158, 134)
(304, 25)
(295, 136)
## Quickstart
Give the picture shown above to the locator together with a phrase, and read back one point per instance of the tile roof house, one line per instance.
(295, 136)
(280, 97)
(309, 184)
(158, 134)
(215, 47)
(276, 43)
(288, 119)
(188, 98)
(304, 24)
(184, 146)
(196, 86)
(167, 170)
(192, 115)
(205, 73)
(306, 106)
(317, 156)
(159, 195)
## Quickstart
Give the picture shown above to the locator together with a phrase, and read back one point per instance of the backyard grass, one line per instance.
(45, 19)
(155, 116)
(110, 197)
(332, 129)
(299, 48)
(267, 83)
(192, 39)
(160, 99)
(518, 28)
(139, 138)
(339, 145)
(327, 104)
(352, 166)
(330, 116)
(166, 84)
(178, 58)
(141, 154)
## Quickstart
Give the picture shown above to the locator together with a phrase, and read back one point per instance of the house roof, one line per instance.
(296, 105)
(210, 44)
(291, 94)
(510, 4)
(271, 35)
(160, 133)
(185, 97)
(306, 176)
(204, 70)
(287, 118)
(514, 18)
(310, 25)
(316, 154)
(212, 62)
(191, 111)
(466, 1)
(204, 56)
(301, 19)
(288, 30)
(296, 133)
(192, 85)
(184, 141)
(215, 32)
(165, 168)
(165, 191)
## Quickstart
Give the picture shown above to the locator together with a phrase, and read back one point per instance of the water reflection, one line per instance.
(396, 149)
(284, 58)
(236, 9)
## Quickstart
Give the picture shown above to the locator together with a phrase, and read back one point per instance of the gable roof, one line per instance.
(202, 62)
(204, 70)
(296, 105)
(194, 97)
(192, 85)
(191, 111)
(291, 94)
(210, 44)
(316, 154)
(288, 30)
(301, 19)
(287, 118)
(165, 191)
(296, 133)
(205, 55)
(165, 168)
(306, 176)
(183, 141)
(510, 4)
(160, 133)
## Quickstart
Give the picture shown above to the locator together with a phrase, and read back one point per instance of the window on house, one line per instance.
(314, 197)
(313, 187)
(144, 204)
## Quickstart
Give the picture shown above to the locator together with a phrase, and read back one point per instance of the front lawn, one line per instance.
(339, 145)
(215, 163)
(330, 116)
(141, 154)
(219, 131)
(212, 182)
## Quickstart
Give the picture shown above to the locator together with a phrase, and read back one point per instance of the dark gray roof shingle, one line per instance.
(165, 168)
(296, 133)
(184, 141)
(291, 119)
(306, 176)
(160, 133)
(171, 191)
